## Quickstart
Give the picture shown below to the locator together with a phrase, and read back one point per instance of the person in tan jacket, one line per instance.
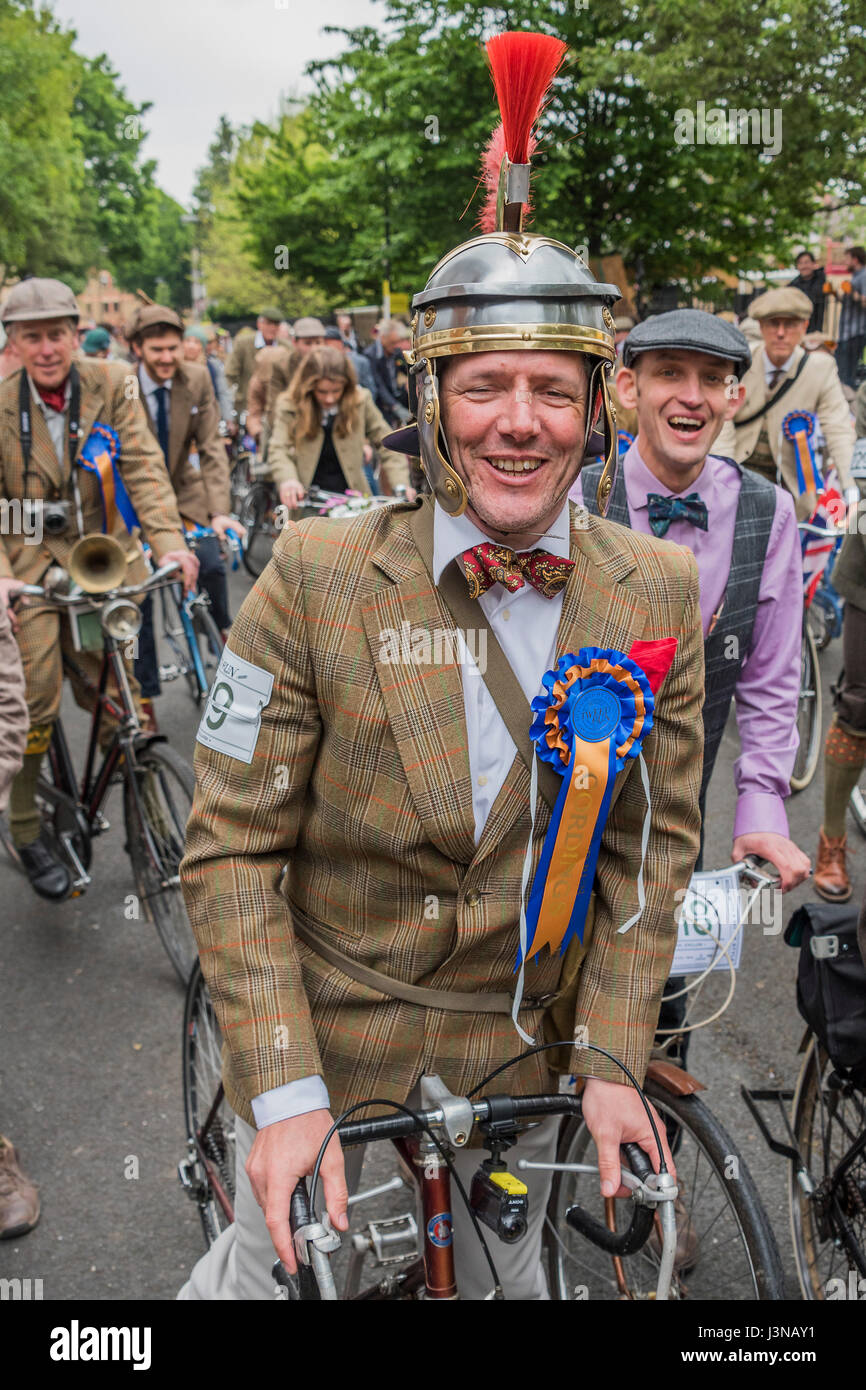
(754, 437)
(320, 427)
(48, 413)
(184, 420)
(19, 1198)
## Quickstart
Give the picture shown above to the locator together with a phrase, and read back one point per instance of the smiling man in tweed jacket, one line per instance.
(339, 744)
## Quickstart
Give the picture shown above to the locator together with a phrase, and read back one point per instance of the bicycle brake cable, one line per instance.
(591, 1047)
(406, 1110)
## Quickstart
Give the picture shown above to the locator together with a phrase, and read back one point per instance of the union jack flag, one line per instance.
(800, 428)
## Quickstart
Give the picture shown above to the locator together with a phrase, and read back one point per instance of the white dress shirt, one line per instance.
(525, 625)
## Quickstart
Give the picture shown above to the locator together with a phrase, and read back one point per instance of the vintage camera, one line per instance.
(501, 1201)
(56, 517)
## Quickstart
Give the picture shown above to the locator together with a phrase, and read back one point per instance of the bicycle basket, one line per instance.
(831, 982)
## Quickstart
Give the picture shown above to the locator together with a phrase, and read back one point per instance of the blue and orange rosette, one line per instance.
(593, 717)
(100, 457)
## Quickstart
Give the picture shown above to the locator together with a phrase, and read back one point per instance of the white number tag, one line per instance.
(233, 715)
(708, 919)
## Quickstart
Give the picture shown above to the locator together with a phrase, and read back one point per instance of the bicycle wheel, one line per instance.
(175, 635)
(808, 714)
(209, 1117)
(157, 800)
(858, 806)
(737, 1257)
(829, 1116)
(257, 515)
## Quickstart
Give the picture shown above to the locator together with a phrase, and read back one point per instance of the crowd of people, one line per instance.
(705, 462)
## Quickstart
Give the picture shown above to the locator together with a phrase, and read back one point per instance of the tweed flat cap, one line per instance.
(308, 328)
(784, 303)
(149, 316)
(39, 299)
(688, 330)
(272, 315)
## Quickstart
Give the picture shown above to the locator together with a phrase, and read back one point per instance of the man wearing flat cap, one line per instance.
(47, 412)
(247, 346)
(184, 419)
(783, 377)
(681, 372)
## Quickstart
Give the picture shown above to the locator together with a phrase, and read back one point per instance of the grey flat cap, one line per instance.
(689, 330)
(39, 299)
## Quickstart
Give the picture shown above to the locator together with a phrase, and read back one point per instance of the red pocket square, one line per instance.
(655, 659)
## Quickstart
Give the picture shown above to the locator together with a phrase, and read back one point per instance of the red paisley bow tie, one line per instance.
(488, 564)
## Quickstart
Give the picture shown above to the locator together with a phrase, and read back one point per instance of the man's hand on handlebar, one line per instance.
(292, 493)
(188, 564)
(615, 1115)
(792, 864)
(221, 524)
(9, 587)
(281, 1154)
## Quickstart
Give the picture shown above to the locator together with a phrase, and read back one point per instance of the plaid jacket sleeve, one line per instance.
(623, 976)
(241, 833)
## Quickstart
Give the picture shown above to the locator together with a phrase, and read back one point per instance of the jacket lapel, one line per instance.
(92, 406)
(424, 697)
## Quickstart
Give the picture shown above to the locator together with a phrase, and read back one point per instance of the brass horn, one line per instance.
(97, 563)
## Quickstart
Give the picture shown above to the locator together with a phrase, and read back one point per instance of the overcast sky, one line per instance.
(198, 59)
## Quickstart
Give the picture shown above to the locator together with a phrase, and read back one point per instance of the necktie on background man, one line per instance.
(663, 510)
(486, 565)
(161, 394)
(776, 376)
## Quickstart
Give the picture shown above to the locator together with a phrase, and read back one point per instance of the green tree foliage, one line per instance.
(75, 190)
(385, 160)
(240, 282)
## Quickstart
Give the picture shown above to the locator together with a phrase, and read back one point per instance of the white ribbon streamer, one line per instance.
(527, 863)
(644, 840)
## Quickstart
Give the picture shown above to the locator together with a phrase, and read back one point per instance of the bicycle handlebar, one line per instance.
(70, 600)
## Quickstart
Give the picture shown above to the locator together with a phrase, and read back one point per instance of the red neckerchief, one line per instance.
(55, 398)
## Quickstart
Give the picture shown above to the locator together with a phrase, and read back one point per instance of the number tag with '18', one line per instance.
(233, 715)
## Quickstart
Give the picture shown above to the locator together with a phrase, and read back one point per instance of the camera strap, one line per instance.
(25, 420)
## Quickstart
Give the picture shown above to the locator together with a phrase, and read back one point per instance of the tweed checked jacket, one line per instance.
(105, 396)
(194, 422)
(360, 782)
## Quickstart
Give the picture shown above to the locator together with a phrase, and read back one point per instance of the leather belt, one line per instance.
(451, 1001)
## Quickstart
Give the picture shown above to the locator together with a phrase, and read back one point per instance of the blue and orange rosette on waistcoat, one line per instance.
(595, 712)
(99, 457)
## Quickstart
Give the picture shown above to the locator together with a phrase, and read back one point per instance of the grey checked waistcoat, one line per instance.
(729, 643)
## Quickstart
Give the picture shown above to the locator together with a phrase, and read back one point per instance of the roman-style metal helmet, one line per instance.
(508, 289)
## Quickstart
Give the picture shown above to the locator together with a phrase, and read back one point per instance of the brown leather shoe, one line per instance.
(19, 1198)
(831, 872)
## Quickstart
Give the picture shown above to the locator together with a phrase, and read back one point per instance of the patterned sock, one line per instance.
(844, 756)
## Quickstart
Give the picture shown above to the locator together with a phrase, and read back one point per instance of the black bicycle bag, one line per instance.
(831, 982)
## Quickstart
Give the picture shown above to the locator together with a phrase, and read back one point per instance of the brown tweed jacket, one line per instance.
(193, 423)
(360, 781)
(107, 394)
(292, 459)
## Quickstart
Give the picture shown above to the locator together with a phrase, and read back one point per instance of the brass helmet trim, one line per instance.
(549, 337)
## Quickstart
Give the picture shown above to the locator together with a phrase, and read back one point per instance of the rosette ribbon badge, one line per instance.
(595, 712)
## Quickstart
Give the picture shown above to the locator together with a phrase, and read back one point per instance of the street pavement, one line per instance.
(90, 1078)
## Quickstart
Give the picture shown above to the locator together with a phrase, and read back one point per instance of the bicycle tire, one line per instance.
(809, 714)
(201, 1072)
(755, 1265)
(158, 769)
(817, 1256)
(258, 506)
(858, 808)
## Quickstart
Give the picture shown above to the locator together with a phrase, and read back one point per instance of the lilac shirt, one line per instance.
(769, 685)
